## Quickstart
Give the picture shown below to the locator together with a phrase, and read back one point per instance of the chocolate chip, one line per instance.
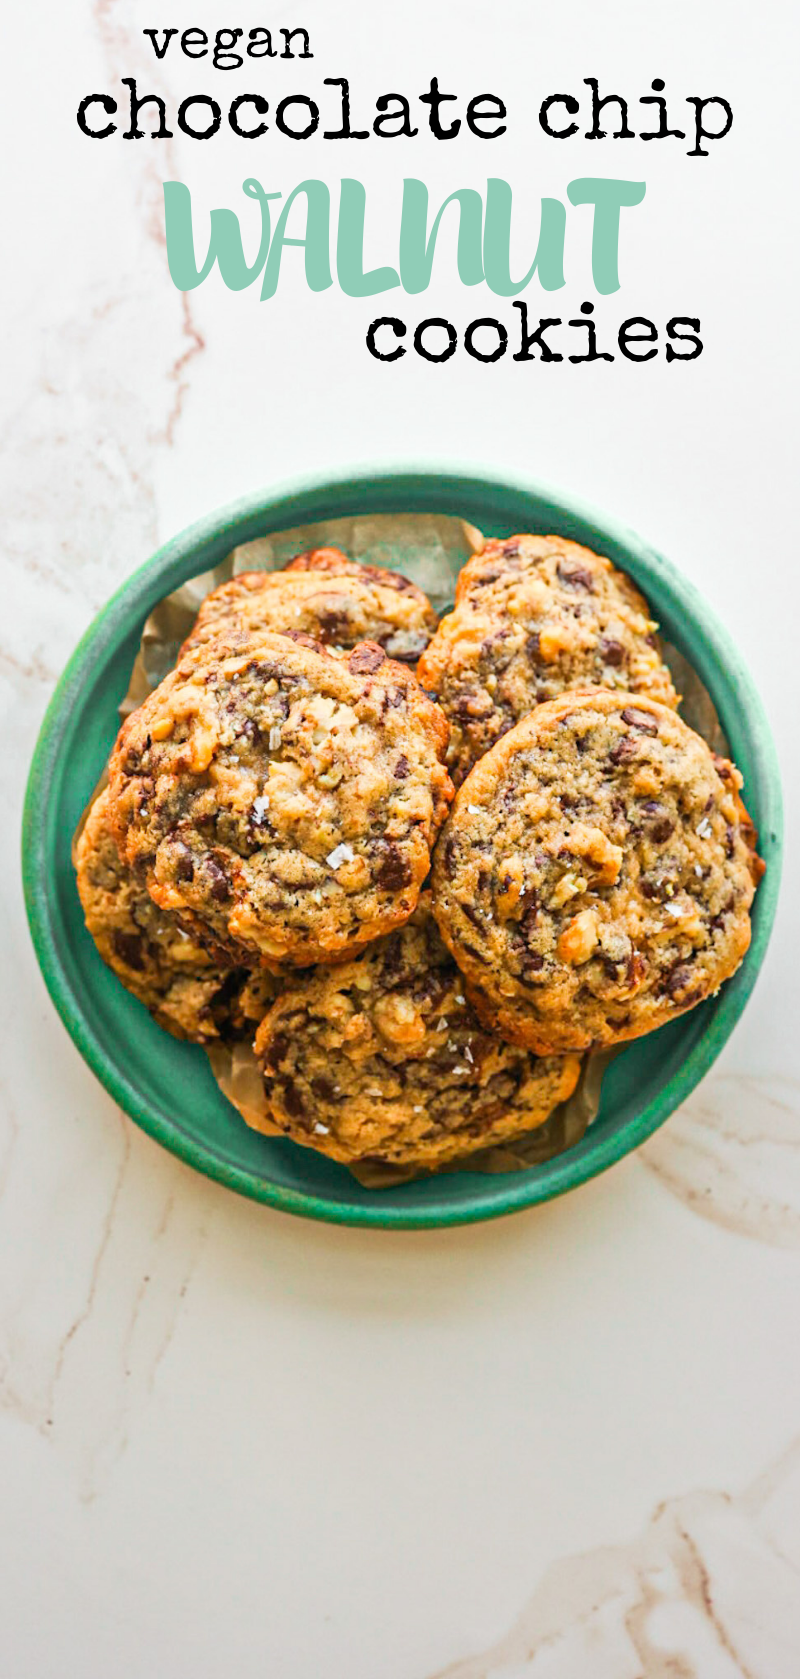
(304, 640)
(277, 1049)
(401, 768)
(331, 625)
(730, 840)
(250, 730)
(323, 1088)
(658, 824)
(469, 707)
(624, 749)
(264, 670)
(511, 548)
(449, 857)
(365, 658)
(575, 576)
(130, 950)
(492, 642)
(532, 647)
(292, 1099)
(472, 915)
(533, 962)
(676, 983)
(394, 871)
(220, 889)
(184, 861)
(612, 651)
(392, 965)
(490, 575)
(718, 921)
(641, 720)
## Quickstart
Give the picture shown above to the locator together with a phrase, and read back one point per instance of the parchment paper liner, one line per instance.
(430, 549)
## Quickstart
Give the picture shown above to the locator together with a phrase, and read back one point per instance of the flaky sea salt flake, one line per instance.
(340, 854)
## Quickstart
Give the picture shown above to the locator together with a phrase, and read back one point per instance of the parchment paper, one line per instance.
(431, 551)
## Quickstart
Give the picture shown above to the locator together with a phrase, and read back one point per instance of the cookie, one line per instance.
(383, 1058)
(334, 562)
(322, 559)
(283, 801)
(536, 615)
(596, 873)
(189, 992)
(339, 604)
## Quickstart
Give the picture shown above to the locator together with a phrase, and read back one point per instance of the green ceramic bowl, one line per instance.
(167, 1086)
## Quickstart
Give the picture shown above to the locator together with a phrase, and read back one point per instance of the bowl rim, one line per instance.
(514, 1191)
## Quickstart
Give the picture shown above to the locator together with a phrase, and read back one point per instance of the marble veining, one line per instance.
(732, 1154)
(710, 1589)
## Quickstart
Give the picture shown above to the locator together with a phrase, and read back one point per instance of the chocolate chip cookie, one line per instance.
(535, 615)
(283, 801)
(336, 602)
(189, 992)
(334, 562)
(595, 877)
(383, 1058)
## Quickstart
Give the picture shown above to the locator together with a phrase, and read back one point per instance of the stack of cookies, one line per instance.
(273, 860)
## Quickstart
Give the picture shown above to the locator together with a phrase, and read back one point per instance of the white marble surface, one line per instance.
(561, 1445)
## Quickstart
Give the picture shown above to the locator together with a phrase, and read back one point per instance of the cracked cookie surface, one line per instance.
(189, 992)
(533, 616)
(284, 800)
(595, 876)
(383, 1058)
(332, 560)
(323, 595)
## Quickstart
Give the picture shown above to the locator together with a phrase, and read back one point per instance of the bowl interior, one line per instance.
(166, 1086)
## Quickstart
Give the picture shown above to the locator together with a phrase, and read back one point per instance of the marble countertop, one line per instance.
(564, 1444)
